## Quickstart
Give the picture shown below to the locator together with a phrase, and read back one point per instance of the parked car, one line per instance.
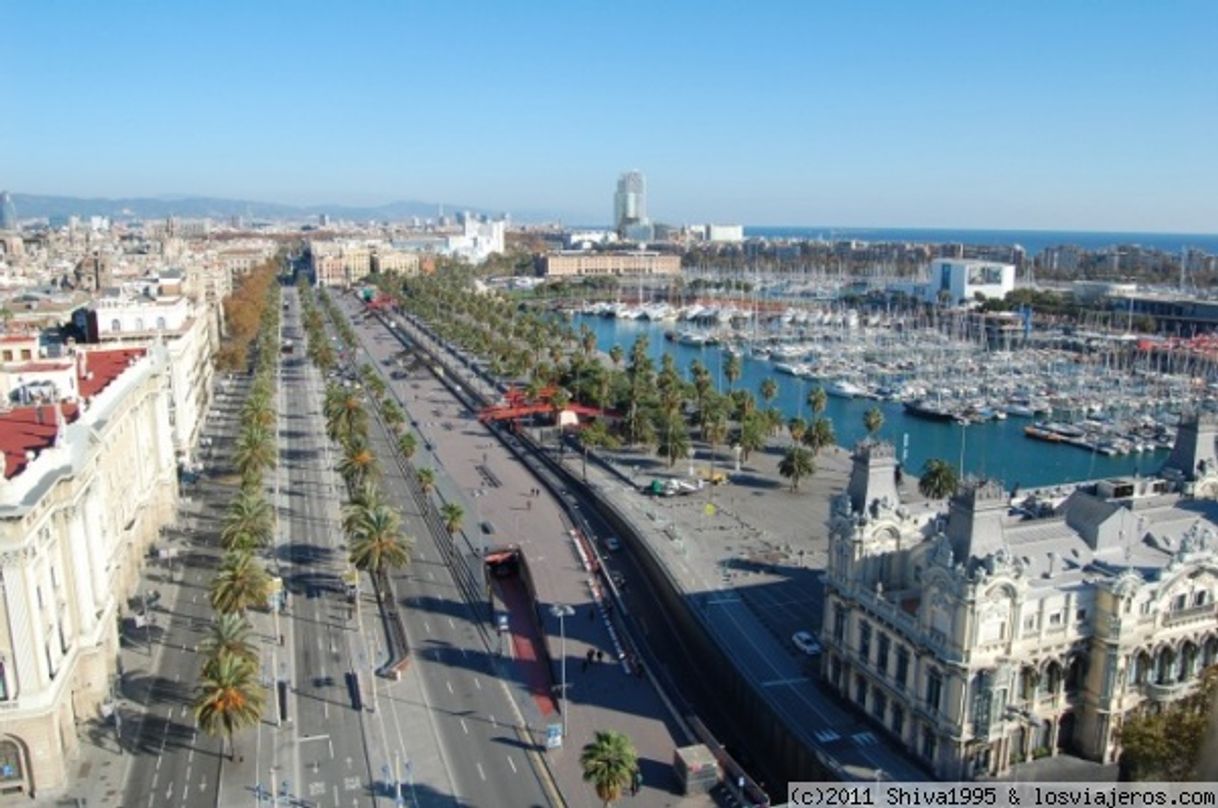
(612, 544)
(805, 642)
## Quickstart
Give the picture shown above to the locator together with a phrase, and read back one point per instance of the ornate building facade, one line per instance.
(1010, 628)
(88, 482)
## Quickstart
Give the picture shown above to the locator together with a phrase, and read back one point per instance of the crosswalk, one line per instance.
(828, 736)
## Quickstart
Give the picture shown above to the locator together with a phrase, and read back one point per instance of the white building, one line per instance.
(725, 233)
(960, 280)
(87, 484)
(982, 638)
(478, 240)
(630, 201)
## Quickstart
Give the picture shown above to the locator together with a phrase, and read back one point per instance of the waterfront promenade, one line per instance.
(748, 587)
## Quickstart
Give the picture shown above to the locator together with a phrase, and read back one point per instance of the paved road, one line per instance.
(479, 472)
(451, 715)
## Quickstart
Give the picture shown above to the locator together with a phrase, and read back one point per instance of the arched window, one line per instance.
(139, 323)
(160, 324)
(116, 325)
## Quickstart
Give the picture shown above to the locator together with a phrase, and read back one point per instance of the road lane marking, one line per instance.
(158, 762)
(477, 684)
(430, 576)
(494, 723)
(481, 773)
(449, 685)
(451, 624)
(427, 626)
(512, 763)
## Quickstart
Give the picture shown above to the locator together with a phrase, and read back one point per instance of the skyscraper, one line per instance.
(8, 212)
(630, 201)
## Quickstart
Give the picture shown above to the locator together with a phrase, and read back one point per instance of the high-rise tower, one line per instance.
(630, 201)
(8, 212)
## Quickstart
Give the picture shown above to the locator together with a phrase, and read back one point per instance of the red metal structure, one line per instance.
(516, 404)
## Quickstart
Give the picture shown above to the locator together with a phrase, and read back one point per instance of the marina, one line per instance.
(1040, 410)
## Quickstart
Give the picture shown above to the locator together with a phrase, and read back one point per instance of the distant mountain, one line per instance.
(191, 207)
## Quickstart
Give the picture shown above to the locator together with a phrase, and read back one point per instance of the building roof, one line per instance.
(29, 429)
(26, 429)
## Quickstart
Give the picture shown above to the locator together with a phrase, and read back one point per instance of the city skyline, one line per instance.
(940, 116)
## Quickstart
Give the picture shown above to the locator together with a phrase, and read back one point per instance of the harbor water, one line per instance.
(994, 449)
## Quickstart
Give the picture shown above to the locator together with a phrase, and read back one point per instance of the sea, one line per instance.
(1032, 241)
(995, 450)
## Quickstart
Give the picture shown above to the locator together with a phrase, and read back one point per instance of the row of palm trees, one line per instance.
(658, 408)
(372, 527)
(229, 696)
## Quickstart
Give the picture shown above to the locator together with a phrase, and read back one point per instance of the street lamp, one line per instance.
(562, 611)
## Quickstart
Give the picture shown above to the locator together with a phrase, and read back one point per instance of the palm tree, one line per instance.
(452, 514)
(674, 437)
(240, 584)
(407, 445)
(376, 542)
(731, 370)
(798, 427)
(255, 450)
(768, 390)
(615, 355)
(228, 635)
(609, 763)
(367, 495)
(358, 463)
(249, 521)
(427, 479)
(228, 699)
(873, 419)
(820, 435)
(596, 435)
(818, 399)
(938, 479)
(796, 464)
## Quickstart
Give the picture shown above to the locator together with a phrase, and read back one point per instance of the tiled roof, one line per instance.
(27, 429)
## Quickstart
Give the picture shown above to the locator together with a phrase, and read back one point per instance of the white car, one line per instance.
(805, 642)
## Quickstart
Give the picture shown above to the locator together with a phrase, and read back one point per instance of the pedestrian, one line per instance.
(600, 656)
(636, 783)
(592, 613)
(529, 505)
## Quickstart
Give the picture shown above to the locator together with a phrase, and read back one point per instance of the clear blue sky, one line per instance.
(1056, 115)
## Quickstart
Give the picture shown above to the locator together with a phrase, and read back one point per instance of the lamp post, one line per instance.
(562, 611)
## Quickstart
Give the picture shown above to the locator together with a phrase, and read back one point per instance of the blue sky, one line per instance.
(1056, 115)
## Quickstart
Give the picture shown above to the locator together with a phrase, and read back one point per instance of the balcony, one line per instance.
(1189, 615)
(1167, 691)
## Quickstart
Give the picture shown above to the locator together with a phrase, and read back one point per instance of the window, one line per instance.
(1055, 619)
(839, 623)
(1080, 615)
(3, 683)
(26, 353)
(898, 719)
(860, 690)
(1029, 624)
(864, 640)
(879, 703)
(160, 324)
(902, 667)
(934, 689)
(1200, 598)
(928, 744)
(881, 653)
(8, 356)
(835, 672)
(1179, 602)
(38, 594)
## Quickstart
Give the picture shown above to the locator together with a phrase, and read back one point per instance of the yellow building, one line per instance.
(585, 263)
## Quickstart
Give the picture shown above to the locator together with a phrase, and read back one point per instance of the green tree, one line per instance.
(616, 354)
(609, 763)
(240, 584)
(731, 370)
(376, 542)
(255, 450)
(752, 434)
(818, 400)
(452, 514)
(673, 437)
(248, 523)
(820, 435)
(796, 464)
(873, 420)
(407, 444)
(1165, 745)
(427, 479)
(358, 463)
(797, 427)
(228, 635)
(768, 389)
(596, 435)
(228, 699)
(938, 479)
